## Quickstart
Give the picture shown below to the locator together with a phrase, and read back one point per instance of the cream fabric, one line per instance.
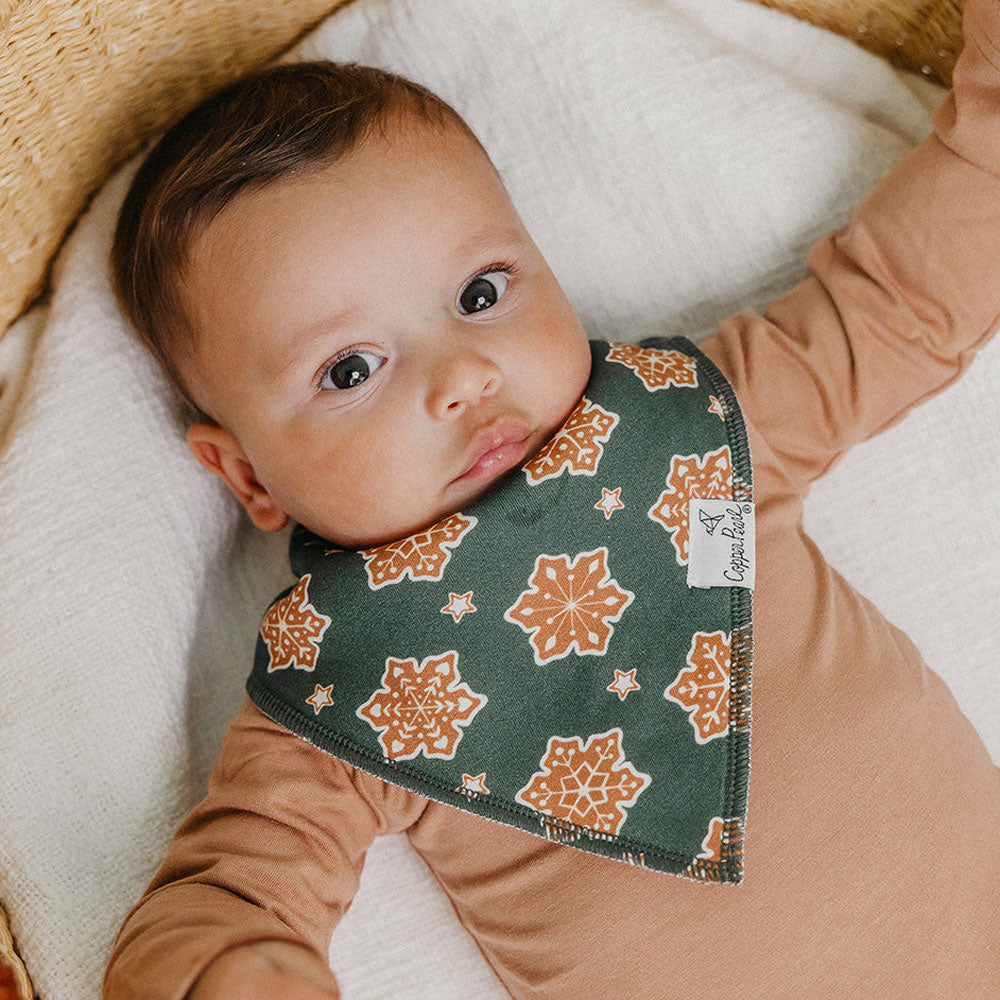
(674, 162)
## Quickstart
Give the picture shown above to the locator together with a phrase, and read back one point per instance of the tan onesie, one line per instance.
(873, 827)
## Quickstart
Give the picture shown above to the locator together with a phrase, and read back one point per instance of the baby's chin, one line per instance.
(358, 537)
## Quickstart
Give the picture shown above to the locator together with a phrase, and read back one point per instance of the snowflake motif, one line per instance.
(589, 786)
(421, 707)
(624, 683)
(657, 369)
(569, 605)
(321, 698)
(702, 688)
(577, 445)
(611, 500)
(718, 407)
(293, 630)
(723, 841)
(422, 556)
(711, 846)
(706, 477)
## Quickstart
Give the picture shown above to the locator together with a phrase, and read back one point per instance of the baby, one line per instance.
(327, 264)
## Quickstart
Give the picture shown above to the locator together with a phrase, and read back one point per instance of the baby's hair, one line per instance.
(262, 127)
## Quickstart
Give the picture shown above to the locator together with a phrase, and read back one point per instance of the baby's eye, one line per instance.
(351, 370)
(482, 292)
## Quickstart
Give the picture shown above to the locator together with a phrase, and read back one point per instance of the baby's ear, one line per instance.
(222, 455)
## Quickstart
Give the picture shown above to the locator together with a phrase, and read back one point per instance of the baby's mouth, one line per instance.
(497, 448)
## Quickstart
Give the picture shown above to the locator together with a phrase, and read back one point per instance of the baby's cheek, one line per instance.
(568, 364)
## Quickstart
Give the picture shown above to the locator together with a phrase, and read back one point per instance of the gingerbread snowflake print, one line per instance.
(656, 368)
(422, 556)
(723, 842)
(711, 846)
(702, 687)
(421, 707)
(590, 785)
(577, 446)
(569, 605)
(706, 477)
(293, 629)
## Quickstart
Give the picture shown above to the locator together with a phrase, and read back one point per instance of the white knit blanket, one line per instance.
(674, 162)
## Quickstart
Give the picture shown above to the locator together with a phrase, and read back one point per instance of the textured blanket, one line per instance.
(674, 162)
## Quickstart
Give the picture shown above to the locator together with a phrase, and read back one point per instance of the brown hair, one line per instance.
(252, 132)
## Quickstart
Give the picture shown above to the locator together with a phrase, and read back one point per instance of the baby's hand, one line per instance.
(266, 969)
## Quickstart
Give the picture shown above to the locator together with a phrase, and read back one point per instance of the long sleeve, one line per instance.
(274, 852)
(896, 304)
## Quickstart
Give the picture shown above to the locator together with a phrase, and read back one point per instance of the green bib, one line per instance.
(571, 653)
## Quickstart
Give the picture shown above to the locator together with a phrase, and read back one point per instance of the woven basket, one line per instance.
(83, 83)
(14, 984)
(924, 36)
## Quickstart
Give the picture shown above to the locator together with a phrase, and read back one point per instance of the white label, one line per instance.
(721, 538)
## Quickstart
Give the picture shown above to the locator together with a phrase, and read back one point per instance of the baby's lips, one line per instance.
(497, 447)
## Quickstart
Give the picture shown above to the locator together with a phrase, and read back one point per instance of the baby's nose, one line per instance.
(460, 380)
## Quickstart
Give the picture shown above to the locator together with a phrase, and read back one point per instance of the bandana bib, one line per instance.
(570, 654)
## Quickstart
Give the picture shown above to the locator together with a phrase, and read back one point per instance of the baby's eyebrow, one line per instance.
(300, 341)
(490, 239)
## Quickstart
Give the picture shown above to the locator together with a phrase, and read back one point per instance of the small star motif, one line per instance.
(717, 407)
(624, 683)
(459, 605)
(474, 783)
(321, 697)
(611, 500)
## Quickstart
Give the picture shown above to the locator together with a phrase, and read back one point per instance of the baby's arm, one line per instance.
(258, 875)
(897, 304)
(267, 969)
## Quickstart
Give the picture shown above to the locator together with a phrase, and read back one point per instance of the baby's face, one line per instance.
(380, 338)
